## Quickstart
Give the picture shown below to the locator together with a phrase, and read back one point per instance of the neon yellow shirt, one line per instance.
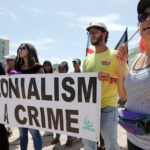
(104, 62)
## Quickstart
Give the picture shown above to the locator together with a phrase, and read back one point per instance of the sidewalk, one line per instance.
(77, 144)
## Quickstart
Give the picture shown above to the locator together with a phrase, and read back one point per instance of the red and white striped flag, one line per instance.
(89, 48)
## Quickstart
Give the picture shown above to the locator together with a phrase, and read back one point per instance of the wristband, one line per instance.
(112, 80)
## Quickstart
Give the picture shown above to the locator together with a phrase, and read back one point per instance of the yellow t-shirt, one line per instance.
(104, 62)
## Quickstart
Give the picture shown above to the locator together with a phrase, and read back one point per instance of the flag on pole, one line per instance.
(89, 48)
(142, 45)
(123, 39)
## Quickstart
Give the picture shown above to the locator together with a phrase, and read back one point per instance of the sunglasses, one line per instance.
(92, 32)
(22, 48)
(142, 17)
(76, 63)
(47, 65)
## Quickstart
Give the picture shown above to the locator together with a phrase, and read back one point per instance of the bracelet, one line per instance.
(112, 80)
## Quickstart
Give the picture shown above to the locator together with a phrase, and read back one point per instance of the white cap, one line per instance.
(97, 24)
(10, 57)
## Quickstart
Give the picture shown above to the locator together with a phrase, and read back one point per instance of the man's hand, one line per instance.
(104, 76)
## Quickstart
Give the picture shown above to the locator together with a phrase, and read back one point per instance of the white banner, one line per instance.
(61, 103)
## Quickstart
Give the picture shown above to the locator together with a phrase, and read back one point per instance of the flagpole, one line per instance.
(123, 39)
(132, 36)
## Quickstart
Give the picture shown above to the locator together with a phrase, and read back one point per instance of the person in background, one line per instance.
(62, 68)
(27, 63)
(48, 67)
(10, 62)
(66, 66)
(4, 143)
(76, 64)
(135, 86)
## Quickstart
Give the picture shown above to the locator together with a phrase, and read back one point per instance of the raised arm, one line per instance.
(122, 57)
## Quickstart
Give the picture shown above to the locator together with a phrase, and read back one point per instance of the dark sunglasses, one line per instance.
(22, 48)
(46, 65)
(75, 63)
(142, 17)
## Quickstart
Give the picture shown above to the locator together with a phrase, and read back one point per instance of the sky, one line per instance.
(57, 28)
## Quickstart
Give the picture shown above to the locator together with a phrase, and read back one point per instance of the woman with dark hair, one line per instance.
(47, 67)
(27, 58)
(27, 63)
(135, 87)
(4, 144)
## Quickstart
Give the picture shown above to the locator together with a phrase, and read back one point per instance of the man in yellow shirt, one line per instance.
(104, 62)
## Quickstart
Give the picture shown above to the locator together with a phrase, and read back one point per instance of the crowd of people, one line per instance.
(26, 62)
(131, 84)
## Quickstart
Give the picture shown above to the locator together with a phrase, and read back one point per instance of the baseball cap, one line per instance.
(142, 5)
(76, 61)
(97, 24)
(10, 56)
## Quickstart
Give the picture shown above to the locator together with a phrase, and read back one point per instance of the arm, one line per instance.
(122, 72)
(122, 57)
(121, 78)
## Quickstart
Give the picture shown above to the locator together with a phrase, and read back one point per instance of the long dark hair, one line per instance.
(32, 56)
(48, 62)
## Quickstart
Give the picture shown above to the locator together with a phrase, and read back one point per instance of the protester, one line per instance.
(10, 61)
(136, 85)
(76, 64)
(4, 144)
(62, 68)
(48, 67)
(66, 67)
(104, 62)
(27, 63)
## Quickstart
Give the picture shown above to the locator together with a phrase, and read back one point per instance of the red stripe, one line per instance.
(90, 51)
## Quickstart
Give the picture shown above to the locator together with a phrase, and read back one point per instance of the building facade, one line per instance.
(4, 49)
(55, 67)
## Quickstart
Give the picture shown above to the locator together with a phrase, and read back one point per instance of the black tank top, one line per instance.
(32, 70)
